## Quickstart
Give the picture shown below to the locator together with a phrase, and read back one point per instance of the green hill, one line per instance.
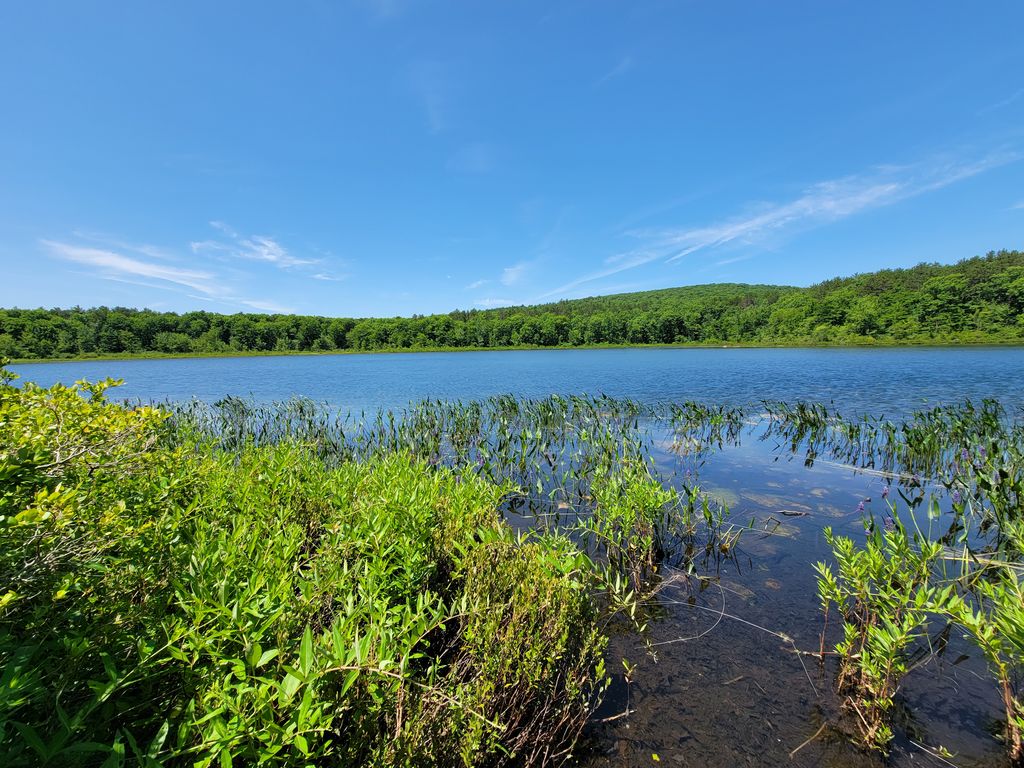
(977, 300)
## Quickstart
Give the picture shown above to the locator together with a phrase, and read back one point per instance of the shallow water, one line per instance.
(724, 687)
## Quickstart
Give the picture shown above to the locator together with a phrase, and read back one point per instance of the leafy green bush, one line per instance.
(630, 520)
(169, 602)
(995, 622)
(884, 594)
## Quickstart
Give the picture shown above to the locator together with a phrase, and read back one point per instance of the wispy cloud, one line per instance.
(327, 277)
(622, 67)
(1003, 102)
(515, 274)
(117, 267)
(824, 202)
(254, 248)
(477, 157)
(494, 302)
(1018, 206)
(263, 305)
(819, 204)
(431, 83)
(384, 9)
(261, 248)
(733, 260)
(225, 228)
(112, 241)
(477, 284)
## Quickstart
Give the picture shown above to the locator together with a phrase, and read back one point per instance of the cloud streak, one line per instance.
(1003, 103)
(515, 274)
(117, 267)
(473, 158)
(492, 303)
(252, 248)
(622, 67)
(431, 85)
(819, 204)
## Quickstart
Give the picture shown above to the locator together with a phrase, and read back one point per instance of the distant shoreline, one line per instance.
(520, 348)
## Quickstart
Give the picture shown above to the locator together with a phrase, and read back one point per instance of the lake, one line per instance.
(722, 688)
(880, 381)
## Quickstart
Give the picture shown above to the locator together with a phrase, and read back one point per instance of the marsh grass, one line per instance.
(245, 583)
(242, 584)
(955, 558)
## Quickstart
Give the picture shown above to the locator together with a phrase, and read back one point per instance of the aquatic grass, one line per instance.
(884, 593)
(287, 584)
(966, 572)
(252, 598)
(246, 583)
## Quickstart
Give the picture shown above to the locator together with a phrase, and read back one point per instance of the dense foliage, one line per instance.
(164, 600)
(976, 300)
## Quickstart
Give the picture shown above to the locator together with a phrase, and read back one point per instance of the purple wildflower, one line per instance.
(956, 497)
(983, 452)
(885, 492)
(890, 524)
(860, 507)
(963, 454)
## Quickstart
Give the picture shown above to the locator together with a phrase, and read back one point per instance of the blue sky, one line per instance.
(394, 157)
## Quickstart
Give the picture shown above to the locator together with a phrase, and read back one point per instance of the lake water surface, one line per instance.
(889, 381)
(722, 688)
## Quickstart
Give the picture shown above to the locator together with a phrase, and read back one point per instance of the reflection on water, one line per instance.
(724, 687)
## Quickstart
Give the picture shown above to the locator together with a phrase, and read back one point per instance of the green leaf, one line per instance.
(158, 740)
(289, 686)
(350, 678)
(266, 657)
(30, 736)
(306, 652)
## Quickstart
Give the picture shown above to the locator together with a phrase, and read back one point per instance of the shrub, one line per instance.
(166, 601)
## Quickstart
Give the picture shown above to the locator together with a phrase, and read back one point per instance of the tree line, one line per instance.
(980, 299)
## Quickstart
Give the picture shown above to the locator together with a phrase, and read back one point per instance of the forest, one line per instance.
(976, 300)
